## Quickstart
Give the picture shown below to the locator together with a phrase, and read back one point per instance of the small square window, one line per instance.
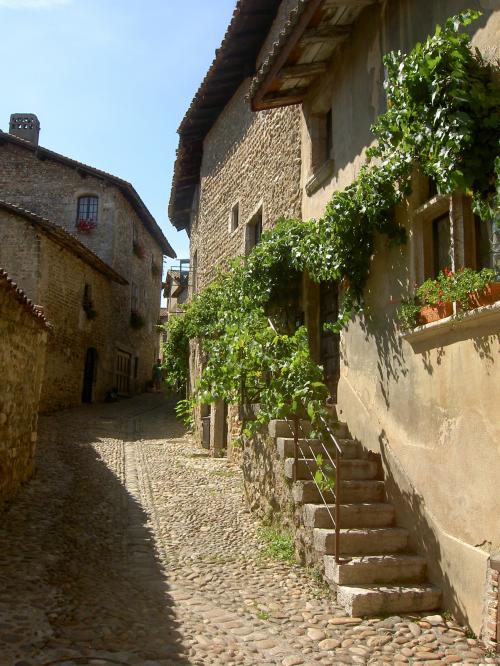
(235, 217)
(253, 231)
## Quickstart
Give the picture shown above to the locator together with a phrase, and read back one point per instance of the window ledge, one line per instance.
(320, 175)
(485, 314)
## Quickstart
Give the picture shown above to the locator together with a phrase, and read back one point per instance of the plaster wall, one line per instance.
(429, 408)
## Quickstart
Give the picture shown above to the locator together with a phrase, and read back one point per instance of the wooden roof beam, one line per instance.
(305, 70)
(352, 4)
(284, 98)
(325, 33)
(292, 41)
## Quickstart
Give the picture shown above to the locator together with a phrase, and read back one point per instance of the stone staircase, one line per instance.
(376, 574)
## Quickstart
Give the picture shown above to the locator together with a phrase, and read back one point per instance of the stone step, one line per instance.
(357, 469)
(361, 601)
(361, 541)
(284, 428)
(351, 515)
(305, 492)
(350, 448)
(375, 569)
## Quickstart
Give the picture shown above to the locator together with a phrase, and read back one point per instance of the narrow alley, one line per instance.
(129, 547)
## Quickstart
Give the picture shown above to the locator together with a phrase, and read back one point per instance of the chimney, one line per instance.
(26, 126)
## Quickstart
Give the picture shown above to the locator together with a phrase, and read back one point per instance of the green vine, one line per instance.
(443, 113)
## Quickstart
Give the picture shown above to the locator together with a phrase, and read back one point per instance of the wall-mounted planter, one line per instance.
(430, 313)
(487, 296)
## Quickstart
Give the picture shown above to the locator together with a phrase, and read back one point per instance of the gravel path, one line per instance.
(129, 547)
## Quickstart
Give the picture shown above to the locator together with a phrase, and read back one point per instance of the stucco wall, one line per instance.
(431, 408)
(22, 355)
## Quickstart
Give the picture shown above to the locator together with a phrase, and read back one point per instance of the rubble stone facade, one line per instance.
(52, 187)
(250, 161)
(23, 332)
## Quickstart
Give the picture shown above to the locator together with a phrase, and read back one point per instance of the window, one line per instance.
(321, 132)
(134, 297)
(234, 221)
(87, 296)
(87, 208)
(446, 233)
(441, 243)
(253, 231)
(320, 126)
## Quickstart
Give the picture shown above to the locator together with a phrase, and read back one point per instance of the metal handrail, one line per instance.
(336, 465)
(298, 449)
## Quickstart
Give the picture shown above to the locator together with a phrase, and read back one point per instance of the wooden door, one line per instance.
(89, 374)
(122, 374)
(330, 342)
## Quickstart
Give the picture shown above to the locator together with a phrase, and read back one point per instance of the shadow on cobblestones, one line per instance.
(79, 575)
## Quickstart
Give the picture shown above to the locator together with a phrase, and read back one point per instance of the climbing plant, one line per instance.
(443, 114)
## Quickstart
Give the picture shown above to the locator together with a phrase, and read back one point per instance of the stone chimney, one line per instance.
(26, 126)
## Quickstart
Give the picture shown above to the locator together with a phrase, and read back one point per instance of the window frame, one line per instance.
(256, 220)
(235, 214)
(92, 217)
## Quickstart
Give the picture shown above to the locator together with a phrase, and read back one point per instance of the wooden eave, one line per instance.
(304, 51)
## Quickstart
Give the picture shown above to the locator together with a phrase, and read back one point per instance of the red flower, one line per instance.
(86, 226)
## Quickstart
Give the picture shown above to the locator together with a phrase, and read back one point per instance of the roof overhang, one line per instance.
(303, 51)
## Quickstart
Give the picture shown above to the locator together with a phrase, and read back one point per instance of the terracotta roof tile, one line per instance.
(11, 287)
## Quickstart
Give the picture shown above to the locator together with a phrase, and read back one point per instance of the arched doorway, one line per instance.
(89, 375)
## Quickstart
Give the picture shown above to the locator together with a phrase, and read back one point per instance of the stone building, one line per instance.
(236, 171)
(422, 403)
(118, 273)
(23, 332)
(75, 289)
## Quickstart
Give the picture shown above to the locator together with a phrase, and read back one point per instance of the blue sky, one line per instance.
(110, 81)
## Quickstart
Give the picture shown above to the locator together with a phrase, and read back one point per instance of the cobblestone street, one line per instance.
(130, 547)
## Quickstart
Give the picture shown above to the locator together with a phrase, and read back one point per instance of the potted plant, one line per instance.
(434, 298)
(86, 226)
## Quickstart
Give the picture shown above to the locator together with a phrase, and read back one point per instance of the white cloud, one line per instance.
(33, 4)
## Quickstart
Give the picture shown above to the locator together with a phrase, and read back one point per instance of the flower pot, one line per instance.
(431, 313)
(487, 296)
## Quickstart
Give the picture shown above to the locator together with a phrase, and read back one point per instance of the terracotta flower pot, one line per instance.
(487, 296)
(431, 313)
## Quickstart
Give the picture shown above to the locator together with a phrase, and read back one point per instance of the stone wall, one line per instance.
(51, 189)
(250, 159)
(23, 333)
